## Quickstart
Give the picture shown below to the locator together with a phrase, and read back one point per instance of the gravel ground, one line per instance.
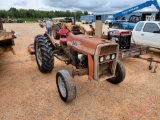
(26, 93)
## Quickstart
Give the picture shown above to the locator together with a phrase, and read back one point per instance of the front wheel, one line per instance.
(120, 74)
(66, 86)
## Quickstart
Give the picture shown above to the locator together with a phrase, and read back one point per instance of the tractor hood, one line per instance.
(86, 44)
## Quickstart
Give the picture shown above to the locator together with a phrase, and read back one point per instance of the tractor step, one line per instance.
(62, 58)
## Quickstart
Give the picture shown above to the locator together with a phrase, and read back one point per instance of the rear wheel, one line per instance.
(66, 86)
(120, 74)
(55, 29)
(44, 54)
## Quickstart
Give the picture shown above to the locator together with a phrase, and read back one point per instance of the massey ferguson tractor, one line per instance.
(92, 56)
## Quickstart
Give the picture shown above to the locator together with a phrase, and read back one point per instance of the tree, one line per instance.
(12, 9)
(31, 13)
(85, 13)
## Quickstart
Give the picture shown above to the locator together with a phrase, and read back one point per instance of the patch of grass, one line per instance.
(28, 20)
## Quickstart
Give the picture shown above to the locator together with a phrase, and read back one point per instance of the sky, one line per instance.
(92, 6)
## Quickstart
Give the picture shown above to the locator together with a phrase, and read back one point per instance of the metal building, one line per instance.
(105, 16)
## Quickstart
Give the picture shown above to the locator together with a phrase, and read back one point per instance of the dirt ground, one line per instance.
(28, 94)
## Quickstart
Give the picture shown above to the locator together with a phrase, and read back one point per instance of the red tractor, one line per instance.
(95, 57)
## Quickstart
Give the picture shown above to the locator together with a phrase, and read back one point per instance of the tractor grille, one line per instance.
(108, 50)
(106, 61)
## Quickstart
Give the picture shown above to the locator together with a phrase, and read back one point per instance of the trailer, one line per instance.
(135, 50)
(131, 49)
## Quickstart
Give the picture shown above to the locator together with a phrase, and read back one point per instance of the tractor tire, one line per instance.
(44, 54)
(116, 26)
(120, 74)
(55, 29)
(66, 86)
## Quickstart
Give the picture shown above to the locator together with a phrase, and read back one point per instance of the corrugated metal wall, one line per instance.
(105, 16)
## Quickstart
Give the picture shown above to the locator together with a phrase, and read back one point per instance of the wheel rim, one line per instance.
(38, 55)
(61, 86)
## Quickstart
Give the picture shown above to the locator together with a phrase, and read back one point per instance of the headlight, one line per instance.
(107, 57)
(113, 56)
(116, 39)
(101, 59)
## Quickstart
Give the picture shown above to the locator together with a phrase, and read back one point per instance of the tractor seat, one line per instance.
(63, 35)
(63, 32)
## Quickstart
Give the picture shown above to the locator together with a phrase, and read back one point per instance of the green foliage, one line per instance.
(14, 13)
(86, 13)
